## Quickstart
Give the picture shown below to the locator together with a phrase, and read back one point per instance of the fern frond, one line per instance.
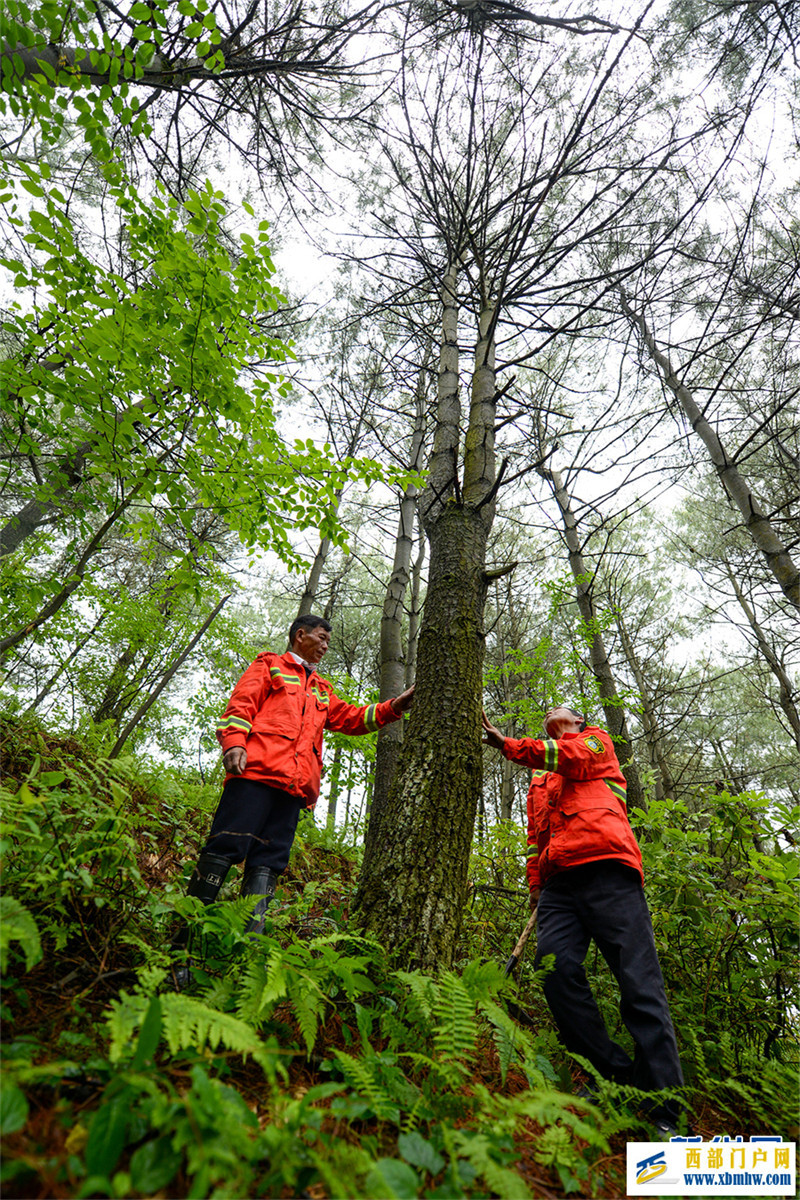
(276, 984)
(361, 1074)
(511, 1041)
(189, 1024)
(502, 1181)
(250, 984)
(123, 1021)
(456, 1029)
(397, 1033)
(307, 1001)
(422, 989)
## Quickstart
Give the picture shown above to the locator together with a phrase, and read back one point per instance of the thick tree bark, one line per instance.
(758, 525)
(601, 667)
(413, 885)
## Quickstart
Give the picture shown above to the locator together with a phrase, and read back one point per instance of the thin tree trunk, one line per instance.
(54, 678)
(333, 793)
(32, 515)
(393, 676)
(664, 783)
(72, 471)
(415, 608)
(777, 557)
(506, 790)
(786, 691)
(309, 596)
(121, 690)
(144, 708)
(74, 580)
(601, 667)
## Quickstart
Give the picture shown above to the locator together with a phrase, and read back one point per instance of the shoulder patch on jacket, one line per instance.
(594, 744)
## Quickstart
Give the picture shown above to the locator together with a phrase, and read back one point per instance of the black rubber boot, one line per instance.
(207, 878)
(259, 881)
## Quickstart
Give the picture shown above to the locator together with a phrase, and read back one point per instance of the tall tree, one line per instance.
(753, 515)
(501, 210)
(608, 693)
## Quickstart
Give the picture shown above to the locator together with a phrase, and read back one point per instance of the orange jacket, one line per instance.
(576, 803)
(278, 713)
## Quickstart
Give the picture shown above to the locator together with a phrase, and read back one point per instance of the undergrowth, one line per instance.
(308, 1063)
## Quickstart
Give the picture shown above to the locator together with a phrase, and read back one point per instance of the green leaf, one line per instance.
(154, 1165)
(415, 1149)
(149, 1036)
(13, 1108)
(392, 1179)
(107, 1136)
(17, 925)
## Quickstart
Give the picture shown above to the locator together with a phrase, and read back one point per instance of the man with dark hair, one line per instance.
(271, 737)
(585, 873)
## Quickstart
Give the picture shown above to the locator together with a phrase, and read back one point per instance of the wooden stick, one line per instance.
(520, 946)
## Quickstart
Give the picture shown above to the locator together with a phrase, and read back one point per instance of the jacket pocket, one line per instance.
(586, 828)
(278, 714)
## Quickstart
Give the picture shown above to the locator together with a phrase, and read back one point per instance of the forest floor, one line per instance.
(105, 931)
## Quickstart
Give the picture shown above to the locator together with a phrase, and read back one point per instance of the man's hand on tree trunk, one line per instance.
(493, 735)
(403, 702)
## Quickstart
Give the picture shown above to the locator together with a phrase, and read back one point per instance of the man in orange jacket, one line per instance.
(585, 873)
(271, 737)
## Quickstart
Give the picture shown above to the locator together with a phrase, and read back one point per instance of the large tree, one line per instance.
(501, 211)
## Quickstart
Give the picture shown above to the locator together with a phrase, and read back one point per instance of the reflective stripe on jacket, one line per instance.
(576, 803)
(278, 714)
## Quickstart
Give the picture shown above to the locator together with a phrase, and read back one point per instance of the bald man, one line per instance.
(584, 870)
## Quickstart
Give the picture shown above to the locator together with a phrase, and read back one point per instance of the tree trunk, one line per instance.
(601, 667)
(122, 687)
(393, 676)
(506, 790)
(71, 473)
(786, 691)
(333, 792)
(54, 678)
(777, 557)
(144, 708)
(415, 608)
(664, 783)
(74, 580)
(413, 885)
(309, 596)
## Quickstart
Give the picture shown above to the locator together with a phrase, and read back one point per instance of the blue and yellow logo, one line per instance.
(648, 1169)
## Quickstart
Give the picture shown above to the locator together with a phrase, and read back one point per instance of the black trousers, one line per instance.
(604, 901)
(255, 824)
